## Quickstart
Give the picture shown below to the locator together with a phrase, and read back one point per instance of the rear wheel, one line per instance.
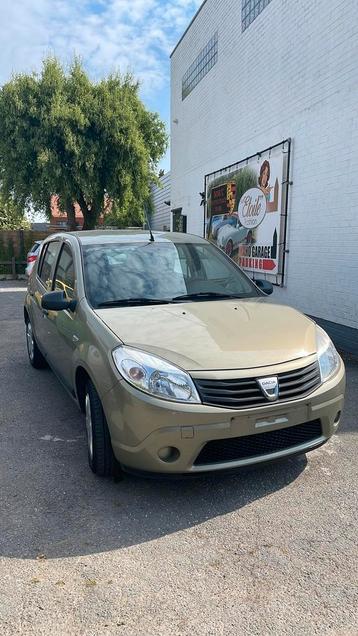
(100, 454)
(35, 356)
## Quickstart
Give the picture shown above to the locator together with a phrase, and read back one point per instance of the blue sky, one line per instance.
(135, 35)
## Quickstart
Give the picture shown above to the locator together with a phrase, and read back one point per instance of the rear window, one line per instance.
(35, 248)
(159, 270)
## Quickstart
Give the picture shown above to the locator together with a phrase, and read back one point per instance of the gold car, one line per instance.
(178, 360)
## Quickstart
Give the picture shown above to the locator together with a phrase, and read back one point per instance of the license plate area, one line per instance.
(273, 419)
(281, 419)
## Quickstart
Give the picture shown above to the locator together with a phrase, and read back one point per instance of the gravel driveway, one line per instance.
(269, 551)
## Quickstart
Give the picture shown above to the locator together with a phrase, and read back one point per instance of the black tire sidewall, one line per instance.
(38, 361)
(102, 462)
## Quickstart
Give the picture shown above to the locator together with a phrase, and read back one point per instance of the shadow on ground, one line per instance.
(54, 505)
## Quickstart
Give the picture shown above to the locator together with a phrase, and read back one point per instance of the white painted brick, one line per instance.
(161, 215)
(292, 73)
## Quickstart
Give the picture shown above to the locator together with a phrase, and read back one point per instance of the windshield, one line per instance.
(160, 271)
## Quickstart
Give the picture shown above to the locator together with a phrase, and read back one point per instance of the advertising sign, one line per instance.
(246, 211)
(223, 198)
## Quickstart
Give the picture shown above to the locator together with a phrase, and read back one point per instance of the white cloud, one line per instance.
(135, 35)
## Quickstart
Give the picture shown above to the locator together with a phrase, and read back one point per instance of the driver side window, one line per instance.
(48, 258)
(65, 278)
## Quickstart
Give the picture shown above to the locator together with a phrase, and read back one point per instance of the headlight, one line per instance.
(154, 375)
(328, 357)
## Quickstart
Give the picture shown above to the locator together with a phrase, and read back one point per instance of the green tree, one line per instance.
(131, 214)
(61, 133)
(12, 216)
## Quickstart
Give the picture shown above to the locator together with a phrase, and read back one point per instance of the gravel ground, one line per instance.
(269, 551)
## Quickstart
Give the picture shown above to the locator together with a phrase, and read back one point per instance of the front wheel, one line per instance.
(35, 356)
(100, 453)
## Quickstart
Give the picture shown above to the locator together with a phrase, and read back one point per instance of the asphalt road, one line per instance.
(269, 551)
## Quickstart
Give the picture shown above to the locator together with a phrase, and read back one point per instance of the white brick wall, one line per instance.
(161, 216)
(292, 73)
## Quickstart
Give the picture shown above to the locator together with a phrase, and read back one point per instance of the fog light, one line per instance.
(168, 454)
(337, 418)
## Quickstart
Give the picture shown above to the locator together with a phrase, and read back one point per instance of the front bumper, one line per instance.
(141, 425)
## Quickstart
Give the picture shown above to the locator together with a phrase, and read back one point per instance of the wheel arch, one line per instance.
(82, 375)
(81, 378)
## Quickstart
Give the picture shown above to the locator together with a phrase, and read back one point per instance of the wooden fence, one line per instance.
(13, 267)
(14, 245)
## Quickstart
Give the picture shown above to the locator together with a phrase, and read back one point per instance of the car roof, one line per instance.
(95, 237)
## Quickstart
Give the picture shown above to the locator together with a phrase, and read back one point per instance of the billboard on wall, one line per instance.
(246, 211)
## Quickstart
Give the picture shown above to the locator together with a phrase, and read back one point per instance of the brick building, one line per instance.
(252, 81)
(58, 218)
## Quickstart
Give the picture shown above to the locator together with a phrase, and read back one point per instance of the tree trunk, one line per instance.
(71, 217)
(89, 219)
(90, 215)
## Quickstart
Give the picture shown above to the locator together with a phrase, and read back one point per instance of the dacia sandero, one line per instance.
(180, 363)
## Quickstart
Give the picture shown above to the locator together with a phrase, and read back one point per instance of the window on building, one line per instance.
(206, 59)
(250, 9)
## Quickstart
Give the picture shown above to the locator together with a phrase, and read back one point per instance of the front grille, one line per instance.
(236, 448)
(244, 393)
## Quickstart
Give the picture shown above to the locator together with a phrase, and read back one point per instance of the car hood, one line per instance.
(230, 334)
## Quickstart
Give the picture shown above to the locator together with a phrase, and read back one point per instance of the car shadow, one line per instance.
(54, 506)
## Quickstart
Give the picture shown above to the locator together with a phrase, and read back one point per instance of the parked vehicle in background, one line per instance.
(175, 356)
(219, 220)
(32, 256)
(230, 235)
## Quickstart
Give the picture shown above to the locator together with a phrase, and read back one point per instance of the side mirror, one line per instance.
(56, 301)
(265, 286)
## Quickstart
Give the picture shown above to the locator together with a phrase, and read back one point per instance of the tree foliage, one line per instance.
(12, 216)
(132, 214)
(61, 133)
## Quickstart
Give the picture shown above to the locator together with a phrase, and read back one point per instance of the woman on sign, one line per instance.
(264, 179)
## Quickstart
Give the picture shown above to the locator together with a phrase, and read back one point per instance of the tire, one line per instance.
(229, 247)
(100, 453)
(35, 356)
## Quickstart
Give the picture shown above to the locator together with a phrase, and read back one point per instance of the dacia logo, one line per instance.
(269, 387)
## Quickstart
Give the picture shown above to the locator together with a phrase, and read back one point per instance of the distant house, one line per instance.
(59, 218)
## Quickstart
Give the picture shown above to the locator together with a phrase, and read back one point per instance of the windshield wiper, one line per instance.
(204, 295)
(125, 302)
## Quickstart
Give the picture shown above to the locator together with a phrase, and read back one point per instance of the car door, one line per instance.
(64, 324)
(38, 287)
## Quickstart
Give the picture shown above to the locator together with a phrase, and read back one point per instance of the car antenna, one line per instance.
(147, 219)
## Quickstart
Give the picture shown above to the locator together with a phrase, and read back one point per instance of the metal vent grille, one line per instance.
(236, 448)
(245, 392)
